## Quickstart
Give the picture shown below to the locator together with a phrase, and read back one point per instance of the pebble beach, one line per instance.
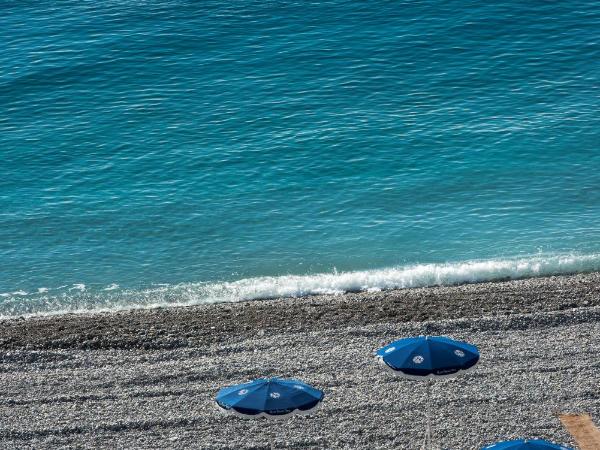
(147, 378)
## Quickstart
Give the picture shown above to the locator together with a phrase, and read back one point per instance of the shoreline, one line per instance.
(311, 312)
(113, 298)
(147, 378)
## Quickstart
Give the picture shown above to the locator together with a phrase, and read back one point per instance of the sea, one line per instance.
(166, 152)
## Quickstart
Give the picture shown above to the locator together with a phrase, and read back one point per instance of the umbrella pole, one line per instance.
(428, 433)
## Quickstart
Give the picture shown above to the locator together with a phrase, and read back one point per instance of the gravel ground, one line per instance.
(146, 379)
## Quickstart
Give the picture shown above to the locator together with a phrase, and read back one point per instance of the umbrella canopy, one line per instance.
(526, 444)
(272, 398)
(428, 357)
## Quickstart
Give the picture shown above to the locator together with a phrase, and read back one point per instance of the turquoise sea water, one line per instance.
(178, 152)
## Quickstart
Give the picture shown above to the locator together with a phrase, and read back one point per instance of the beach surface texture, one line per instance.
(147, 378)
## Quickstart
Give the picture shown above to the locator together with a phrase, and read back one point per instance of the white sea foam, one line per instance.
(113, 298)
(401, 277)
(21, 292)
(111, 287)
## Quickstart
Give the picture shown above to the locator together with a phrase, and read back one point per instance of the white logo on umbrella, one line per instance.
(391, 349)
(275, 395)
(459, 353)
(418, 359)
(243, 392)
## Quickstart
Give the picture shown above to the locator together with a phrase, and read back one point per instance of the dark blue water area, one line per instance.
(152, 146)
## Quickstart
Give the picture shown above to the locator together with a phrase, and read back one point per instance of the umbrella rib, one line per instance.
(252, 390)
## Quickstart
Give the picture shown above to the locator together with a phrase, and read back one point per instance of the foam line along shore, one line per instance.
(79, 298)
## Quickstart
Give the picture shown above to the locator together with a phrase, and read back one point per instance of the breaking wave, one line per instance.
(78, 299)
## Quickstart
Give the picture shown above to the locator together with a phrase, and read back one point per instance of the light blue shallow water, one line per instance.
(176, 152)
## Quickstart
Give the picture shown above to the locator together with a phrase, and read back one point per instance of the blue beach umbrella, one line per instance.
(427, 358)
(526, 444)
(270, 398)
